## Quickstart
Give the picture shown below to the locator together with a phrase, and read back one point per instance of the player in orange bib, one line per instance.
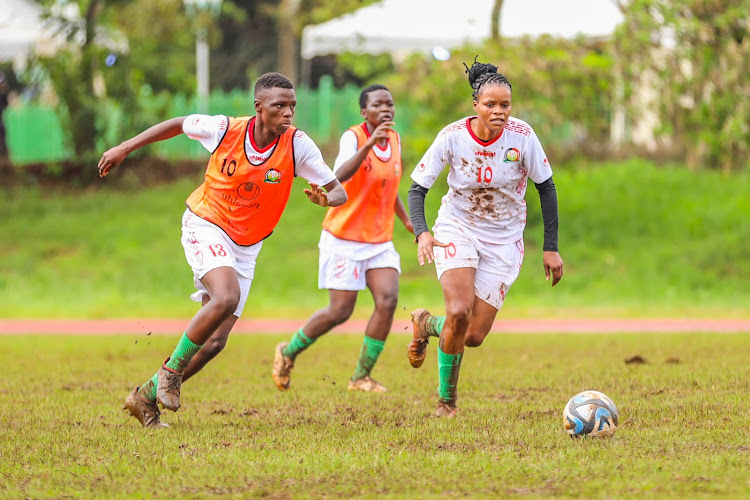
(356, 247)
(247, 184)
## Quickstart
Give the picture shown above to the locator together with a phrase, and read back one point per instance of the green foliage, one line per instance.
(683, 421)
(561, 87)
(694, 57)
(636, 240)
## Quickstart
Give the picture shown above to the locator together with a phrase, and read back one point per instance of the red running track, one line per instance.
(174, 326)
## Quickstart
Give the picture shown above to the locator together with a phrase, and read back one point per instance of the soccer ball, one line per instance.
(590, 413)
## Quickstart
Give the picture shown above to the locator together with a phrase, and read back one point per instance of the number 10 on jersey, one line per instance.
(484, 175)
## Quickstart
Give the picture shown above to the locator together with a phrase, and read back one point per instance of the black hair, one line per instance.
(481, 74)
(367, 90)
(270, 81)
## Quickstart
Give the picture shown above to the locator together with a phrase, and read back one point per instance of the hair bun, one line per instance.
(477, 70)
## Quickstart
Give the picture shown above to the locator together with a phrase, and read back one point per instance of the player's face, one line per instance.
(493, 106)
(275, 108)
(379, 107)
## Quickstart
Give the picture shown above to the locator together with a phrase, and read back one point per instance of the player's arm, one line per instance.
(159, 132)
(334, 197)
(402, 215)
(348, 168)
(425, 240)
(553, 263)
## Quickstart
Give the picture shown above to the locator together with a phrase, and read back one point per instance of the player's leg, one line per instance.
(340, 307)
(245, 259)
(383, 283)
(497, 270)
(211, 348)
(343, 278)
(458, 292)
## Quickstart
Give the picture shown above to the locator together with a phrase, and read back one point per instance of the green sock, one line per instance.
(148, 390)
(182, 354)
(434, 325)
(448, 368)
(299, 343)
(371, 349)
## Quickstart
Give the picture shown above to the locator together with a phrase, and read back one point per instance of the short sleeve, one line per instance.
(309, 162)
(208, 130)
(536, 161)
(347, 148)
(432, 163)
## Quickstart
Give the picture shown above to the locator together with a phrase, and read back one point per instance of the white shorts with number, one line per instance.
(208, 247)
(497, 265)
(339, 268)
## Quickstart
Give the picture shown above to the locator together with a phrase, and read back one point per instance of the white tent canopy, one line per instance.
(403, 26)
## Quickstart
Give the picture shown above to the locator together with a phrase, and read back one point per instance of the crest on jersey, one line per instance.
(512, 155)
(273, 176)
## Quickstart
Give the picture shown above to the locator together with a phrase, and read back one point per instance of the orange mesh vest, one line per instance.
(368, 214)
(243, 199)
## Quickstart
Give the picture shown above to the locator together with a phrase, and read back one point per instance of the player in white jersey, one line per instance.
(478, 242)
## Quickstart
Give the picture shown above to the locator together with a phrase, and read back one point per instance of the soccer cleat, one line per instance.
(282, 368)
(417, 350)
(168, 388)
(366, 384)
(144, 410)
(446, 410)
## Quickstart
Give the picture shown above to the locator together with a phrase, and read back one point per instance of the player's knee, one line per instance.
(226, 302)
(459, 314)
(387, 302)
(473, 340)
(338, 313)
(215, 345)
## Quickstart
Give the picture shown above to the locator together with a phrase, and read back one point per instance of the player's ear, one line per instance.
(363, 112)
(257, 106)
(475, 103)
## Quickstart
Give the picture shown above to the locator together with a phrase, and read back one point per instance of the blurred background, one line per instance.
(643, 107)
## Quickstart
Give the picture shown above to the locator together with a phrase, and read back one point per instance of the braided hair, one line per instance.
(481, 74)
(367, 90)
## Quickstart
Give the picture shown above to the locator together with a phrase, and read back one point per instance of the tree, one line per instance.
(695, 56)
(497, 8)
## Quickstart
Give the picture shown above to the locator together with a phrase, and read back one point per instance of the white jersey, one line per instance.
(348, 147)
(487, 180)
(308, 161)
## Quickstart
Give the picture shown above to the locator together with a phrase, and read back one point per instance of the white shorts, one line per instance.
(338, 272)
(497, 265)
(208, 247)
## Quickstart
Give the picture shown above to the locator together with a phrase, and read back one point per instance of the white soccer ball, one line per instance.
(590, 413)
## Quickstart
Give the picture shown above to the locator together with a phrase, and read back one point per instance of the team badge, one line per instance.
(273, 176)
(511, 155)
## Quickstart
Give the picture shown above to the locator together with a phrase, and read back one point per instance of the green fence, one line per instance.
(35, 133)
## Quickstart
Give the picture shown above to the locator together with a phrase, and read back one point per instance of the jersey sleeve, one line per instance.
(347, 148)
(208, 130)
(432, 163)
(536, 161)
(309, 162)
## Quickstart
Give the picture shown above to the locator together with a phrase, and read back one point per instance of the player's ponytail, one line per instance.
(481, 74)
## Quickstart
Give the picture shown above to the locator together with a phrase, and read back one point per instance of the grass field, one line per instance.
(637, 240)
(684, 421)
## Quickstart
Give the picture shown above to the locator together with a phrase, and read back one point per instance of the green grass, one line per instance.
(684, 420)
(637, 240)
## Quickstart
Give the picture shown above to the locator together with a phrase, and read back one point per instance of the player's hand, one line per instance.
(112, 158)
(381, 132)
(425, 243)
(317, 195)
(553, 265)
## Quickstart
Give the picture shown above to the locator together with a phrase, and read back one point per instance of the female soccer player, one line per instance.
(478, 243)
(356, 250)
(247, 184)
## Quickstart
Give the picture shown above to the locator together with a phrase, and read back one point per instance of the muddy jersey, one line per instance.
(487, 180)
